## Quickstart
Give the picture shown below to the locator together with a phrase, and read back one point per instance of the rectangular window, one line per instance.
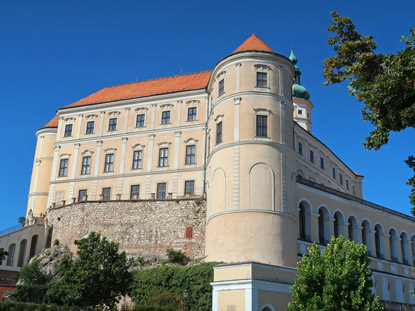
(140, 120)
(341, 179)
(189, 187)
(86, 165)
(311, 156)
(191, 114)
(63, 168)
(83, 195)
(161, 191)
(219, 133)
(261, 126)
(163, 157)
(68, 130)
(347, 184)
(191, 154)
(300, 148)
(321, 163)
(137, 159)
(165, 117)
(261, 79)
(59, 196)
(106, 194)
(221, 87)
(90, 127)
(135, 192)
(112, 124)
(334, 173)
(109, 162)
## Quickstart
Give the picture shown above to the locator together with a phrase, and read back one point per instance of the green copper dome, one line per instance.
(298, 91)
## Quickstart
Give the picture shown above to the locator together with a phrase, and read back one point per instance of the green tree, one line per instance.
(3, 255)
(336, 279)
(98, 277)
(33, 285)
(385, 83)
(21, 220)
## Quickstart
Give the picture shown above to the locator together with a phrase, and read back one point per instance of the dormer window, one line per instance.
(221, 87)
(261, 79)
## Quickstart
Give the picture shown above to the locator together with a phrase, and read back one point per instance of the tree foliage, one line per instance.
(97, 277)
(385, 83)
(33, 285)
(149, 284)
(336, 279)
(3, 255)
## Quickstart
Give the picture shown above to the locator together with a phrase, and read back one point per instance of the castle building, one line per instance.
(132, 161)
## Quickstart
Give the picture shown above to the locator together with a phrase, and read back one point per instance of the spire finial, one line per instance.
(292, 56)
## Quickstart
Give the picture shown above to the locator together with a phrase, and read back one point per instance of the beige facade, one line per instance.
(240, 136)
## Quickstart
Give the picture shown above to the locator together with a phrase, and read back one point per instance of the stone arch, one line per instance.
(22, 253)
(304, 221)
(367, 235)
(323, 224)
(404, 247)
(10, 256)
(352, 228)
(267, 307)
(393, 244)
(33, 246)
(413, 249)
(338, 223)
(218, 191)
(379, 234)
(261, 187)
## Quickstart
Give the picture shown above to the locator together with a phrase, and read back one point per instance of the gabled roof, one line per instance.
(253, 43)
(191, 81)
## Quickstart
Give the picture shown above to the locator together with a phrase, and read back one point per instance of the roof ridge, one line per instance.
(182, 75)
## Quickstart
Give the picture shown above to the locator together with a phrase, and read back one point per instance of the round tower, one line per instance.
(301, 98)
(42, 168)
(251, 214)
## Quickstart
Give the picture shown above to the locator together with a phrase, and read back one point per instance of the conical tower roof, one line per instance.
(253, 43)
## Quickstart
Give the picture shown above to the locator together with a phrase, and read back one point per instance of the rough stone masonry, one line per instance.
(142, 228)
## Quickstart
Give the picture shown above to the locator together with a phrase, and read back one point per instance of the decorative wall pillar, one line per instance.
(127, 116)
(73, 172)
(101, 123)
(78, 134)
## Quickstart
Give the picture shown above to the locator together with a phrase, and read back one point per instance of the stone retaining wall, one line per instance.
(142, 228)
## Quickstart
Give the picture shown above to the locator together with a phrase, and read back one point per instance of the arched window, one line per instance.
(379, 241)
(323, 225)
(404, 248)
(267, 307)
(367, 236)
(10, 257)
(413, 250)
(304, 221)
(338, 224)
(393, 244)
(33, 245)
(22, 253)
(352, 229)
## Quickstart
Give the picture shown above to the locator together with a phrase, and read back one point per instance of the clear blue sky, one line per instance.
(53, 53)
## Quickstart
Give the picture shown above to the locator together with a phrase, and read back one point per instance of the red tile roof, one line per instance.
(253, 43)
(53, 123)
(185, 82)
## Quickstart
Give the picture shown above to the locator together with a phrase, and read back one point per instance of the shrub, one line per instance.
(34, 284)
(175, 256)
(174, 279)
